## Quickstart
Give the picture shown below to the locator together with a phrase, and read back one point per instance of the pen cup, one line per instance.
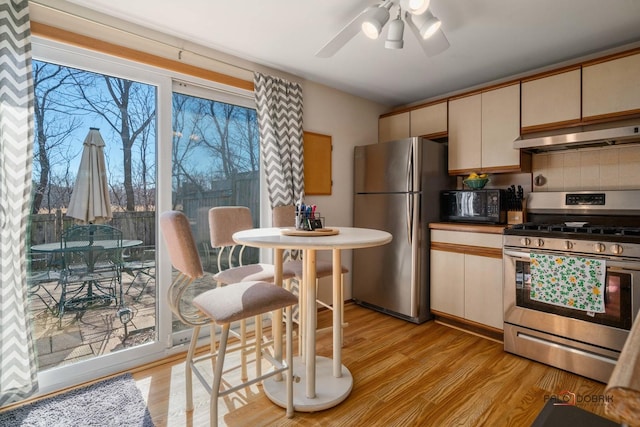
(308, 221)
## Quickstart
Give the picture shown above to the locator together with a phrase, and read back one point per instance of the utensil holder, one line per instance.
(309, 222)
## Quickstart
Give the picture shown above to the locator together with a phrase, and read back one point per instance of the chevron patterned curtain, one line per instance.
(279, 105)
(18, 368)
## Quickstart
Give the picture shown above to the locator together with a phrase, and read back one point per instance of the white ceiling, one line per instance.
(490, 39)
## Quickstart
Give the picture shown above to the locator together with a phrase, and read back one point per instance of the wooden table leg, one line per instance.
(277, 315)
(310, 320)
(337, 314)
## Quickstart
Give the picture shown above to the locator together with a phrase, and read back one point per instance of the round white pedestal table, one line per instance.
(324, 382)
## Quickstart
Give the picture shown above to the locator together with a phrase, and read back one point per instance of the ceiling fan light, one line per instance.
(426, 24)
(430, 27)
(415, 7)
(373, 24)
(395, 35)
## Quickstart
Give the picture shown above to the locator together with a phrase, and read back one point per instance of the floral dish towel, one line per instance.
(573, 282)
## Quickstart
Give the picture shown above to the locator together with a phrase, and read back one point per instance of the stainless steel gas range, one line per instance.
(572, 279)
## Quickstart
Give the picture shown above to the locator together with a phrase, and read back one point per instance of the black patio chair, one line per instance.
(140, 264)
(43, 276)
(92, 266)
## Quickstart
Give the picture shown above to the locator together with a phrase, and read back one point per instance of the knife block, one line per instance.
(518, 217)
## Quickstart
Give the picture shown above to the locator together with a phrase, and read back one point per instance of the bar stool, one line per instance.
(221, 306)
(224, 221)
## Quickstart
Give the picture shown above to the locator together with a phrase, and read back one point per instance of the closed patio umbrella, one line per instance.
(90, 202)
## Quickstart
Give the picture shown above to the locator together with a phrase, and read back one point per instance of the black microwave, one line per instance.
(477, 206)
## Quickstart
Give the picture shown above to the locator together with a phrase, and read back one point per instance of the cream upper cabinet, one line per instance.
(465, 133)
(500, 127)
(482, 128)
(430, 120)
(551, 100)
(611, 88)
(393, 127)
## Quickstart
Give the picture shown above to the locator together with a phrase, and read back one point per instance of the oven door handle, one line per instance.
(525, 256)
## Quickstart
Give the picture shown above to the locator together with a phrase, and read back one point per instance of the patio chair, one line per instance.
(284, 216)
(92, 266)
(224, 221)
(140, 264)
(222, 306)
(43, 273)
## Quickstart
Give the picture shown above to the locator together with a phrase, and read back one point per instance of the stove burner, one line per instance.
(559, 230)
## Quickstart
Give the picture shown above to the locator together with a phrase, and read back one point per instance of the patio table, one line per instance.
(105, 245)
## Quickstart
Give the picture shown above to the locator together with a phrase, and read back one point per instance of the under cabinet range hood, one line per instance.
(579, 139)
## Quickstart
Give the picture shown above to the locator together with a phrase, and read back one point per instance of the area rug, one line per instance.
(113, 402)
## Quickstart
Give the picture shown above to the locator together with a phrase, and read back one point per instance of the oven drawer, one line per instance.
(573, 356)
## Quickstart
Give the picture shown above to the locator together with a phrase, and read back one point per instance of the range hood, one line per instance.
(586, 138)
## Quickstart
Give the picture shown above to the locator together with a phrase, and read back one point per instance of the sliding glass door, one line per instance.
(168, 142)
(215, 162)
(95, 310)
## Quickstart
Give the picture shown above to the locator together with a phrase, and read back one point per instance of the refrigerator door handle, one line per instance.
(410, 168)
(409, 218)
(409, 210)
(415, 254)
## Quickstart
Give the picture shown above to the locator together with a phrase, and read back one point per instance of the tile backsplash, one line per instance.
(605, 168)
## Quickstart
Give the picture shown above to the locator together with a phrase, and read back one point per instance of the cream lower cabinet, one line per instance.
(483, 290)
(447, 282)
(465, 283)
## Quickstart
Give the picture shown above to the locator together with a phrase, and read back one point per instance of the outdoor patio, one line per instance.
(92, 331)
(96, 330)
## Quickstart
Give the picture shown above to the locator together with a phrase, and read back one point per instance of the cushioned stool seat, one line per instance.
(242, 300)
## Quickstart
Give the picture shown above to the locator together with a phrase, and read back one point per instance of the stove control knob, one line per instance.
(568, 245)
(539, 242)
(525, 241)
(616, 249)
(599, 247)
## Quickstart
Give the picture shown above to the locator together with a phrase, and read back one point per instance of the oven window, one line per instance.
(617, 299)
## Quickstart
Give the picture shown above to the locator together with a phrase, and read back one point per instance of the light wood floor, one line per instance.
(404, 375)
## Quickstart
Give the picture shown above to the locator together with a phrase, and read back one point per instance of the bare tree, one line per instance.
(53, 127)
(61, 183)
(145, 183)
(185, 141)
(227, 135)
(246, 127)
(125, 108)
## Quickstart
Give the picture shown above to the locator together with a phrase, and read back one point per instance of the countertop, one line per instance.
(474, 228)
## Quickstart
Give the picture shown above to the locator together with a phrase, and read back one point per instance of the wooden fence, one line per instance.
(242, 191)
(46, 228)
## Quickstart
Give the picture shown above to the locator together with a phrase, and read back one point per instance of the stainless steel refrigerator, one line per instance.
(397, 189)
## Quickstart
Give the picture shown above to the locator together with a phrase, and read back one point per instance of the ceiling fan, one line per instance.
(372, 20)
